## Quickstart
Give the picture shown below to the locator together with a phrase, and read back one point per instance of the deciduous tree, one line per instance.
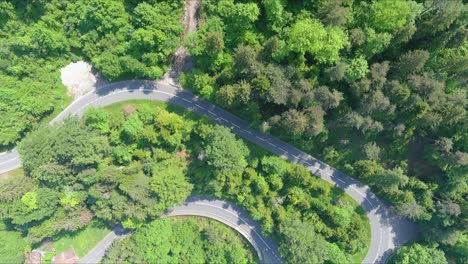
(417, 253)
(224, 152)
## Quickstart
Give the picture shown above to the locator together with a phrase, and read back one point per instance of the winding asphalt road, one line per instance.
(222, 211)
(389, 231)
(233, 216)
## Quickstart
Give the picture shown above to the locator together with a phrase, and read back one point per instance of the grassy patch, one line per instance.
(10, 174)
(187, 115)
(359, 256)
(82, 241)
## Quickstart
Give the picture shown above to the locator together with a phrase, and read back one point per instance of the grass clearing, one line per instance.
(10, 174)
(82, 241)
(188, 115)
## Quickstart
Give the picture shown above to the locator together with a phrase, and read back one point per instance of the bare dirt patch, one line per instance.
(129, 109)
(80, 78)
(181, 59)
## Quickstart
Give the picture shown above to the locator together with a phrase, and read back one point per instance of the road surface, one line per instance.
(233, 216)
(222, 211)
(98, 252)
(389, 231)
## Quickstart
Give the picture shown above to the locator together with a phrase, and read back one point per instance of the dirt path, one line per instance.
(181, 59)
(191, 10)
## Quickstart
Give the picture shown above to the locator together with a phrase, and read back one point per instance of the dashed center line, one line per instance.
(240, 218)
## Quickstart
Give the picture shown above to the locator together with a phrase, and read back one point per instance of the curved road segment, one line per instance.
(389, 231)
(222, 211)
(233, 216)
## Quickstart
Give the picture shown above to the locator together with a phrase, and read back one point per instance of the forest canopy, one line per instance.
(374, 88)
(123, 40)
(182, 240)
(130, 162)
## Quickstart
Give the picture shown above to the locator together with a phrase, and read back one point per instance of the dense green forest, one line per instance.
(123, 40)
(130, 162)
(375, 88)
(186, 240)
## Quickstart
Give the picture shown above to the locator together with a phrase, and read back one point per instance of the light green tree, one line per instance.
(170, 184)
(391, 15)
(356, 69)
(309, 35)
(419, 254)
(226, 153)
(30, 200)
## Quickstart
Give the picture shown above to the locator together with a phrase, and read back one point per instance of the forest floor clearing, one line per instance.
(82, 241)
(80, 78)
(9, 174)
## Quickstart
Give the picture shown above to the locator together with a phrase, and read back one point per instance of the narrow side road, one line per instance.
(389, 231)
(99, 251)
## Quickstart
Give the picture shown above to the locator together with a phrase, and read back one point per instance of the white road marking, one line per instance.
(357, 191)
(380, 244)
(247, 236)
(6, 161)
(238, 216)
(364, 196)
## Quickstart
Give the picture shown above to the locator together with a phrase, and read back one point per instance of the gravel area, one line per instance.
(80, 78)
